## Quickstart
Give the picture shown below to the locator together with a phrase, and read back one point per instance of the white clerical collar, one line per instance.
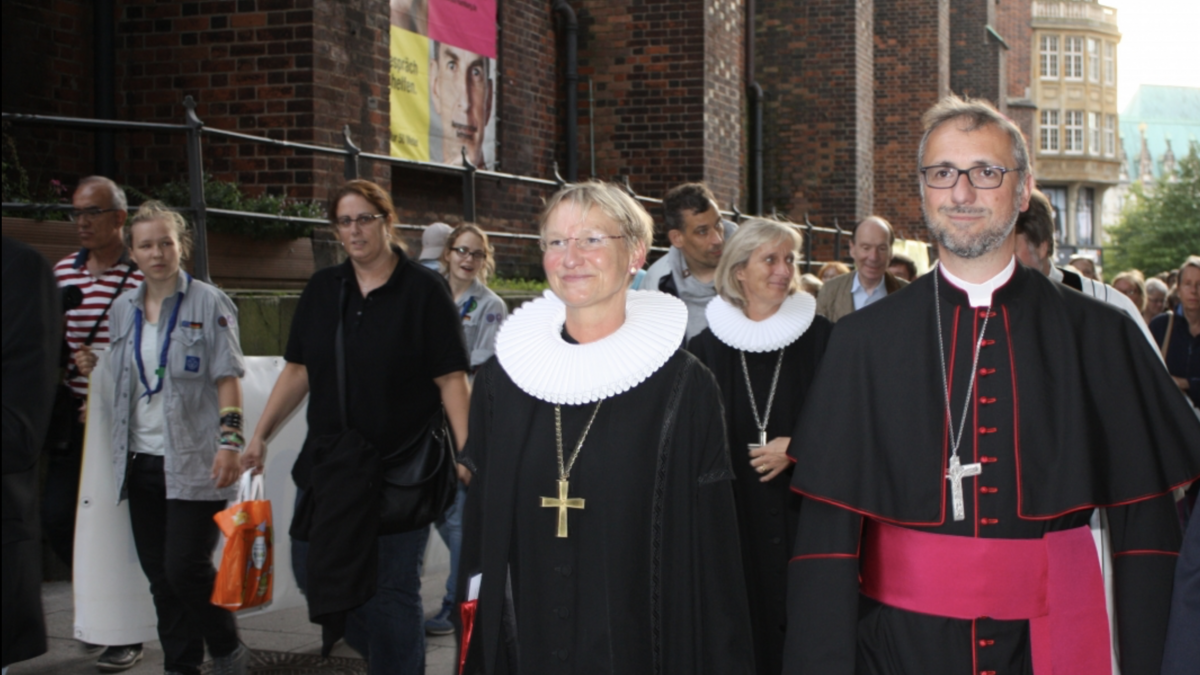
(980, 295)
(532, 351)
(777, 331)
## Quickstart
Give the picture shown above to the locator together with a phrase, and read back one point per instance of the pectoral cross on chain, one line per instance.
(562, 504)
(954, 474)
(762, 441)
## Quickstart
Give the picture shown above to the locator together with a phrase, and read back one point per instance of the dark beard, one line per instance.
(978, 245)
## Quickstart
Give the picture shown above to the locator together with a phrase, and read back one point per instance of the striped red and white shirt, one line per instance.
(97, 294)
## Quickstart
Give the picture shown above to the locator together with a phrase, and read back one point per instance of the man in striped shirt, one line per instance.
(101, 270)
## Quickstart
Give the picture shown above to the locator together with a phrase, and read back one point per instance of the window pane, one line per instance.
(1110, 63)
(1093, 47)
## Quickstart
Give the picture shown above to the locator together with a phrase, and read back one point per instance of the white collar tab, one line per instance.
(980, 295)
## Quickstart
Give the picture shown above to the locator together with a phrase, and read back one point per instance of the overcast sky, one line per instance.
(1159, 40)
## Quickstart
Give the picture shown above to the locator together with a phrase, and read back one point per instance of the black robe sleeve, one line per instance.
(823, 592)
(714, 632)
(1145, 544)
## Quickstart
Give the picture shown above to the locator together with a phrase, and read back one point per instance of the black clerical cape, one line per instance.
(1072, 410)
(767, 512)
(649, 578)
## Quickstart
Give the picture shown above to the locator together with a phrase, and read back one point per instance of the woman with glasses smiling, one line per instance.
(600, 520)
(404, 362)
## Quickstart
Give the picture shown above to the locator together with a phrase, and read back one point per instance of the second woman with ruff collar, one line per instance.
(763, 344)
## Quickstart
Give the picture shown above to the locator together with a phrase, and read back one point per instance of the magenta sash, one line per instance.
(1053, 582)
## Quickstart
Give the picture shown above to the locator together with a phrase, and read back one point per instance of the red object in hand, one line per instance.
(467, 613)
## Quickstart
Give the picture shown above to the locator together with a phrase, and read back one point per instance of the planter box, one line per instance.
(234, 261)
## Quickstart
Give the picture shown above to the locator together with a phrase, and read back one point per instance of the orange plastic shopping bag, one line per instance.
(246, 574)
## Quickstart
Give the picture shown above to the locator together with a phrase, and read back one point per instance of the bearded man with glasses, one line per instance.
(956, 459)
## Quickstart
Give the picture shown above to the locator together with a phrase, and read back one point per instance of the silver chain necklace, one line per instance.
(761, 422)
(956, 471)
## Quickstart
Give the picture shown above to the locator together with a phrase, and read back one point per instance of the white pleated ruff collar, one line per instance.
(777, 331)
(532, 351)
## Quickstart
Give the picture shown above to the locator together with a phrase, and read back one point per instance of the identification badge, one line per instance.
(192, 364)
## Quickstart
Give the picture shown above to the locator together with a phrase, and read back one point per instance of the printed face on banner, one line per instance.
(443, 81)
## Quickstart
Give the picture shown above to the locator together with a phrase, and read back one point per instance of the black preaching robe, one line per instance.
(649, 579)
(767, 512)
(1072, 411)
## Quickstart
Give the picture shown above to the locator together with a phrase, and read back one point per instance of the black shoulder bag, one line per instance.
(419, 477)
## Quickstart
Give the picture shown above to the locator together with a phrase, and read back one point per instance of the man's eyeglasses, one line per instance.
(980, 177)
(468, 253)
(590, 242)
(362, 220)
(77, 215)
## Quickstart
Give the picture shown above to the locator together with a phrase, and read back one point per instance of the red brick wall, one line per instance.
(975, 56)
(669, 93)
(1013, 22)
(814, 62)
(909, 39)
(48, 71)
(294, 70)
(725, 101)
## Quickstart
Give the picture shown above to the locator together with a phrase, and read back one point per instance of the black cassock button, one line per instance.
(565, 570)
(563, 612)
(561, 654)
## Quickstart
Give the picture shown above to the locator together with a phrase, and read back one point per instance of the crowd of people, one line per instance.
(711, 465)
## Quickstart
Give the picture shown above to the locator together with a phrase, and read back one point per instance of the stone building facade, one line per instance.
(1074, 74)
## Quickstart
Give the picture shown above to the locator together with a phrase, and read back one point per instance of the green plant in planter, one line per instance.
(228, 196)
(533, 286)
(19, 188)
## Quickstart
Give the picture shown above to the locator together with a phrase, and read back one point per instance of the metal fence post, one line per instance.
(837, 241)
(468, 189)
(808, 244)
(196, 189)
(352, 152)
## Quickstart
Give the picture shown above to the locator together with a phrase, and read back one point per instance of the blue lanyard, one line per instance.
(138, 320)
(467, 307)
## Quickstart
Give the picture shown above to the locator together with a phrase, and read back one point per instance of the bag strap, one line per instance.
(1166, 343)
(339, 348)
(91, 336)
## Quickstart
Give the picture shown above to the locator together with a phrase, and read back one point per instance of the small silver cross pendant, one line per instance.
(762, 440)
(955, 474)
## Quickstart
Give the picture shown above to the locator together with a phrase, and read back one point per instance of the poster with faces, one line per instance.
(443, 81)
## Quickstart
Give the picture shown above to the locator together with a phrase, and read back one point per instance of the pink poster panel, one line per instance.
(468, 24)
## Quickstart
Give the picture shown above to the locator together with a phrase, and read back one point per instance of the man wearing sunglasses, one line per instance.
(952, 467)
(100, 271)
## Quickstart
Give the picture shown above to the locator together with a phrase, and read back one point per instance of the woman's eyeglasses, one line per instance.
(468, 253)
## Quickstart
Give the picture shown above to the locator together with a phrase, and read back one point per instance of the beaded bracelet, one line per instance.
(231, 438)
(232, 420)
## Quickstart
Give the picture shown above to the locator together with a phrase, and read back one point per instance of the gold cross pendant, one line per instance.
(562, 504)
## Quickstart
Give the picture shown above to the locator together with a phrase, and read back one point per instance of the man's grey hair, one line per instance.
(1156, 285)
(115, 192)
(976, 113)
